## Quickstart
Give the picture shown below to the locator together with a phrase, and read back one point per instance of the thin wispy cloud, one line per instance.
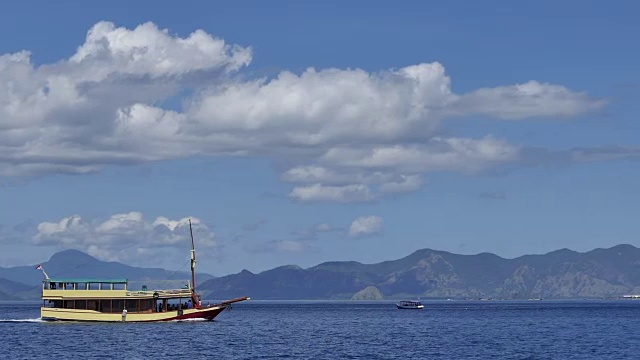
(254, 226)
(493, 195)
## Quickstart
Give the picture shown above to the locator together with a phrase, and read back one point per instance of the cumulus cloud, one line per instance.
(108, 239)
(150, 51)
(348, 135)
(365, 226)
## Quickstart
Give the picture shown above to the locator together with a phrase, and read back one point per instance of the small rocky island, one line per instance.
(368, 293)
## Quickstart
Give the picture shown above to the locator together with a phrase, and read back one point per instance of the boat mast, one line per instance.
(193, 266)
(39, 267)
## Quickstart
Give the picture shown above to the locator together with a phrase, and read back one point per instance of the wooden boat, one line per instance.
(110, 300)
(408, 304)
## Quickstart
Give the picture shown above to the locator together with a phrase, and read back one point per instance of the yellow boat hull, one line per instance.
(56, 314)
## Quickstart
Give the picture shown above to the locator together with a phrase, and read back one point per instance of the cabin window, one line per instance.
(147, 305)
(68, 304)
(118, 305)
(132, 305)
(81, 286)
(92, 305)
(105, 306)
(94, 286)
(81, 304)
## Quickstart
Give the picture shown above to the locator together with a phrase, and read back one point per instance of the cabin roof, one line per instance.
(88, 280)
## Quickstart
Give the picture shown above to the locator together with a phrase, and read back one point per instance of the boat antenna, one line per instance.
(39, 267)
(193, 266)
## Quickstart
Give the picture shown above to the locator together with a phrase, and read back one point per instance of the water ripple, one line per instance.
(342, 330)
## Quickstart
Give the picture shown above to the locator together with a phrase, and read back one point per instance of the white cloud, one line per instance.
(328, 106)
(547, 157)
(439, 154)
(150, 51)
(66, 225)
(111, 239)
(324, 227)
(404, 185)
(604, 153)
(365, 226)
(318, 192)
(120, 223)
(531, 99)
(291, 246)
(347, 134)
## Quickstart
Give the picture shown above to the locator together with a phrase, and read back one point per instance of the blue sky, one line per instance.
(326, 131)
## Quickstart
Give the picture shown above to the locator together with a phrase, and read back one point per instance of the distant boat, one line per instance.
(408, 304)
(110, 300)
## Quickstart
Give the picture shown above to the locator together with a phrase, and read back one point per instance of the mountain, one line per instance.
(10, 287)
(11, 290)
(76, 264)
(425, 273)
(5, 296)
(438, 274)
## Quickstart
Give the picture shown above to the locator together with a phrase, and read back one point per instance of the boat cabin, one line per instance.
(85, 284)
(409, 304)
(112, 296)
(111, 300)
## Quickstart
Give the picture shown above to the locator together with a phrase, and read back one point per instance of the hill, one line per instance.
(11, 290)
(437, 274)
(74, 263)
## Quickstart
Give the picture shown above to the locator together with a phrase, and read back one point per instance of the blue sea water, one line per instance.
(343, 330)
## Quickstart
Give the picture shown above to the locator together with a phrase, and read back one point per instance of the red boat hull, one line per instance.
(206, 315)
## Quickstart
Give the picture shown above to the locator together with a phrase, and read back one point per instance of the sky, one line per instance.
(297, 132)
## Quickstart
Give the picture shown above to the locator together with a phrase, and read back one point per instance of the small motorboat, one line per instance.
(408, 304)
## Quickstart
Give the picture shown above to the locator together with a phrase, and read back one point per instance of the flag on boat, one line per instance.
(38, 267)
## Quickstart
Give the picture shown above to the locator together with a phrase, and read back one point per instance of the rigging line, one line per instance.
(166, 281)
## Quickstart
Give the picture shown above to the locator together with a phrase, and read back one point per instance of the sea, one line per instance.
(607, 329)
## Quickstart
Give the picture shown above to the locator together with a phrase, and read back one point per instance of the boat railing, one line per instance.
(160, 292)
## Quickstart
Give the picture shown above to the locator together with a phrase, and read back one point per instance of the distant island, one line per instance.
(426, 273)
